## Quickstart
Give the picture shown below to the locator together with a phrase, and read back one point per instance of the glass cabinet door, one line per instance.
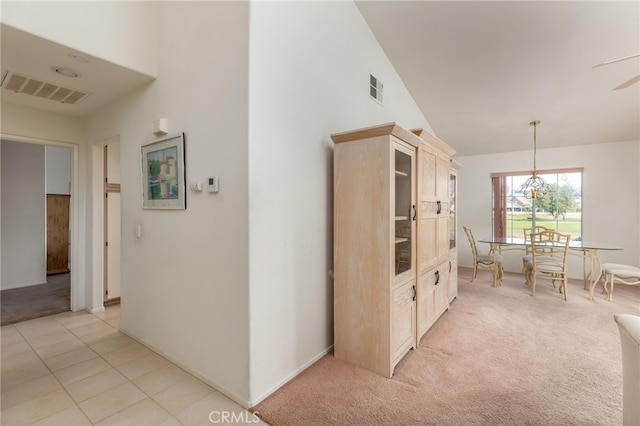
(404, 210)
(452, 210)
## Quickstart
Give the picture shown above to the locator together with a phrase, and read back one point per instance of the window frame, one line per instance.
(499, 204)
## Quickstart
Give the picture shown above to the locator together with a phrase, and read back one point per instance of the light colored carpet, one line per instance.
(498, 357)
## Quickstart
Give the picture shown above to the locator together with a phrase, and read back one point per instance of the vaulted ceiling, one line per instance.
(480, 70)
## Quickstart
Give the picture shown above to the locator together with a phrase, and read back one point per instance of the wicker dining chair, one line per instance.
(548, 260)
(526, 259)
(491, 261)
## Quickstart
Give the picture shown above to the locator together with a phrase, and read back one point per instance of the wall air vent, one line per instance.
(375, 88)
(36, 87)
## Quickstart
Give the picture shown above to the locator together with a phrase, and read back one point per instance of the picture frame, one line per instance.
(164, 174)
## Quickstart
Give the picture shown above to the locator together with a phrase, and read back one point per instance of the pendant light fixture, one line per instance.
(535, 187)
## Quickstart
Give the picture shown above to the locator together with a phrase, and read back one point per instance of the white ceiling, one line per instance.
(32, 56)
(480, 71)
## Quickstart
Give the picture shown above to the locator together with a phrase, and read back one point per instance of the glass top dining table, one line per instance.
(588, 250)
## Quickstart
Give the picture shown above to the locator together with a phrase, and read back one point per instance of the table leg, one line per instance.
(587, 284)
(594, 262)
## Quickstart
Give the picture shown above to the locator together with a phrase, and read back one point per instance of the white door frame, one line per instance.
(77, 299)
(97, 237)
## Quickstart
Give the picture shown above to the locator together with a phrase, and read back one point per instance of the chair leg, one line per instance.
(526, 271)
(611, 288)
(563, 288)
(475, 271)
(533, 284)
(607, 286)
(495, 273)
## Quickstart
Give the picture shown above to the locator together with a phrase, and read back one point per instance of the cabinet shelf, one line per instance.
(402, 217)
(401, 173)
(401, 240)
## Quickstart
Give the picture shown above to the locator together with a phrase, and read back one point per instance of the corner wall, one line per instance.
(185, 280)
(309, 78)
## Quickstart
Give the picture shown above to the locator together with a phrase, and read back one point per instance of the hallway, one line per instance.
(77, 368)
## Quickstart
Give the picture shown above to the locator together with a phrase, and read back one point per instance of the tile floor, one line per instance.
(77, 368)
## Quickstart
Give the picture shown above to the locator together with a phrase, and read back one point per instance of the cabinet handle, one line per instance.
(449, 266)
(415, 212)
(439, 207)
(437, 277)
(414, 293)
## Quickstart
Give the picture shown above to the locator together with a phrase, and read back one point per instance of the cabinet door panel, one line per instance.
(442, 245)
(426, 308)
(427, 236)
(404, 313)
(442, 291)
(442, 178)
(453, 275)
(427, 165)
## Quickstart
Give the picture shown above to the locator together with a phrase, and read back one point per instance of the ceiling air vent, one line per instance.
(32, 86)
(375, 88)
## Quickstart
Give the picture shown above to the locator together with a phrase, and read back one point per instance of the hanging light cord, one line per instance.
(534, 124)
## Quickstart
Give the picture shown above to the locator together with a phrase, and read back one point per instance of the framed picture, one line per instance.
(163, 174)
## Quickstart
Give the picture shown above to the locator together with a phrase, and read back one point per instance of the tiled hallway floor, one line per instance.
(77, 368)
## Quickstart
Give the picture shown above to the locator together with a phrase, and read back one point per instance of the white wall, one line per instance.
(58, 170)
(122, 32)
(24, 260)
(185, 281)
(310, 65)
(611, 188)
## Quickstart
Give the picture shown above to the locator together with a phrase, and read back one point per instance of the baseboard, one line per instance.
(253, 402)
(111, 302)
(96, 310)
(217, 386)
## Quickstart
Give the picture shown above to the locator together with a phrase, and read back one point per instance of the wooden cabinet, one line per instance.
(374, 246)
(434, 158)
(57, 234)
(391, 243)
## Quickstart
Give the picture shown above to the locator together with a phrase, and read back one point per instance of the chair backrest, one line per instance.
(527, 235)
(549, 251)
(472, 242)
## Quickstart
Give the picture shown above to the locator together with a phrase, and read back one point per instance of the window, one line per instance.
(560, 209)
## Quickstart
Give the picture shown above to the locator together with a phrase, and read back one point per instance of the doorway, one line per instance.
(37, 183)
(111, 235)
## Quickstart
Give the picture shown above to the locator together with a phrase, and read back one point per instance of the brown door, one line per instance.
(57, 234)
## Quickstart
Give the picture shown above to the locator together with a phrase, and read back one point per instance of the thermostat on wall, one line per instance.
(213, 184)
